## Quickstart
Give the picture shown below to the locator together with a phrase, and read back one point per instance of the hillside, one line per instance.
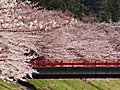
(52, 35)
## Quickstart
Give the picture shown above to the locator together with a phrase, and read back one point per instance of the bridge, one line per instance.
(76, 68)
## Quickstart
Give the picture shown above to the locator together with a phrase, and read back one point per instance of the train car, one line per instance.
(76, 68)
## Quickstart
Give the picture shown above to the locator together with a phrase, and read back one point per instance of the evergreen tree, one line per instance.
(75, 7)
(115, 10)
(103, 11)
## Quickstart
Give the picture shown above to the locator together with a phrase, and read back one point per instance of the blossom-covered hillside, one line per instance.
(27, 33)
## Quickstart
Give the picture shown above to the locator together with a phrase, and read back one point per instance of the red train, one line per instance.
(76, 68)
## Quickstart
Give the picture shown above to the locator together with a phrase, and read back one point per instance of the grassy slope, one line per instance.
(8, 86)
(75, 84)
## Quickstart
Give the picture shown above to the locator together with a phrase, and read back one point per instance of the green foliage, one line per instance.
(102, 10)
(115, 9)
(104, 13)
